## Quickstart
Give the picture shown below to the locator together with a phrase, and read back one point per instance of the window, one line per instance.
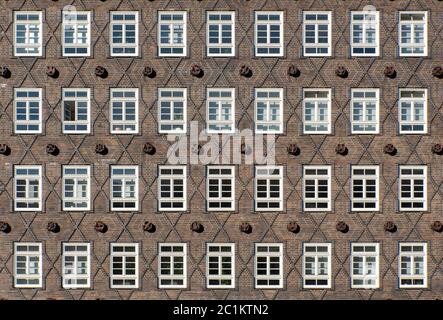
(124, 188)
(76, 33)
(412, 265)
(269, 110)
(317, 111)
(172, 33)
(28, 265)
(364, 33)
(316, 34)
(220, 265)
(220, 35)
(76, 265)
(365, 180)
(76, 111)
(124, 33)
(317, 188)
(413, 33)
(220, 190)
(76, 188)
(172, 188)
(124, 265)
(412, 188)
(413, 111)
(28, 33)
(365, 111)
(365, 265)
(172, 265)
(28, 110)
(268, 34)
(28, 188)
(221, 110)
(124, 111)
(172, 110)
(268, 265)
(268, 188)
(316, 265)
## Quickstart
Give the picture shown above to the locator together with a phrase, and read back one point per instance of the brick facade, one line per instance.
(222, 227)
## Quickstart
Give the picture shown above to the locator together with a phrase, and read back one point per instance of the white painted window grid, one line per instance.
(172, 33)
(124, 110)
(76, 110)
(28, 265)
(365, 111)
(28, 33)
(412, 188)
(365, 33)
(317, 111)
(172, 265)
(317, 188)
(76, 265)
(28, 188)
(123, 33)
(269, 110)
(365, 267)
(365, 188)
(172, 190)
(124, 188)
(28, 110)
(220, 108)
(220, 265)
(413, 111)
(317, 266)
(76, 187)
(317, 33)
(172, 109)
(268, 266)
(124, 265)
(412, 265)
(268, 33)
(76, 33)
(220, 33)
(413, 33)
(220, 188)
(268, 188)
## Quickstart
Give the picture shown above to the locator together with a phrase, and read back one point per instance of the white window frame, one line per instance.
(217, 260)
(220, 103)
(316, 45)
(170, 187)
(171, 23)
(317, 255)
(28, 100)
(366, 183)
(77, 178)
(220, 24)
(267, 115)
(413, 177)
(268, 255)
(365, 101)
(124, 101)
(125, 178)
(316, 101)
(268, 23)
(28, 23)
(72, 273)
(413, 25)
(27, 179)
(316, 178)
(74, 23)
(124, 255)
(370, 18)
(412, 275)
(268, 177)
(412, 101)
(171, 257)
(76, 101)
(28, 255)
(219, 178)
(124, 24)
(171, 100)
(360, 251)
